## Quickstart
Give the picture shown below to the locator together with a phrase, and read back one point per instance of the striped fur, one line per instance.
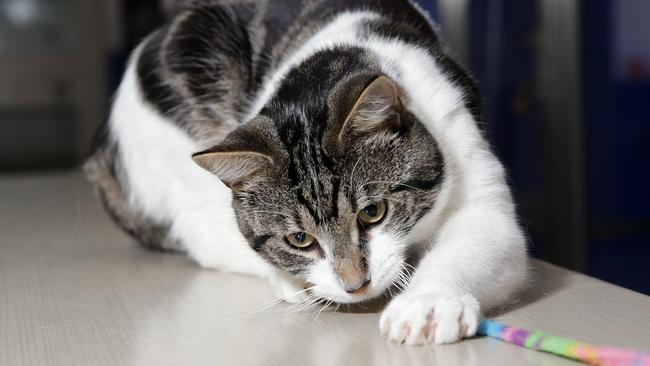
(273, 98)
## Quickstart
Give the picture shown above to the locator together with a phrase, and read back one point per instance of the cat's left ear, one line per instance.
(233, 168)
(378, 108)
(246, 153)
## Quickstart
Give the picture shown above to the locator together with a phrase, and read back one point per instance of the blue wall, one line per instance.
(617, 128)
(616, 123)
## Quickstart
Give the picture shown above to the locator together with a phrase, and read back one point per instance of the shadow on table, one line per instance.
(543, 282)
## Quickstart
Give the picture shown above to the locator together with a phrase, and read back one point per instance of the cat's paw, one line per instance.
(416, 319)
(289, 289)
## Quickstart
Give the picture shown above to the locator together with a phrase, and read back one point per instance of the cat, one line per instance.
(332, 146)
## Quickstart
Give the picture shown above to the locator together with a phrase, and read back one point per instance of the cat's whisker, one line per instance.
(247, 313)
(270, 304)
(298, 304)
(306, 308)
(409, 266)
(311, 300)
(403, 278)
(327, 304)
(291, 309)
(400, 284)
(390, 291)
(337, 307)
(403, 275)
(396, 258)
(406, 270)
(314, 309)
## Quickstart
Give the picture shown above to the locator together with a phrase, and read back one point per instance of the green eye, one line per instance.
(301, 239)
(373, 213)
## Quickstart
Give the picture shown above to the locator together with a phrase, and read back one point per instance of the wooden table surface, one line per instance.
(74, 290)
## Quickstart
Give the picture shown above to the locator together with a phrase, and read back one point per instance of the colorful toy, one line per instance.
(540, 341)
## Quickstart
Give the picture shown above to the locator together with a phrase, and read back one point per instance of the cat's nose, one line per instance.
(358, 290)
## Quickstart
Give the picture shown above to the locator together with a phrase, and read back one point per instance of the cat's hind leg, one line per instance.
(103, 170)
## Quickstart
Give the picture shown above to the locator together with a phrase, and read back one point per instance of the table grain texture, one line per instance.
(74, 290)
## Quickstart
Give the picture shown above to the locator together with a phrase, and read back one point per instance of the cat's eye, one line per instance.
(301, 239)
(373, 213)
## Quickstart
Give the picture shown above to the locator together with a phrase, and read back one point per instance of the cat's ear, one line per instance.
(378, 108)
(233, 168)
(246, 153)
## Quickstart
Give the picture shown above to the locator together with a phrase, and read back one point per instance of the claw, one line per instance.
(463, 330)
(432, 334)
(429, 327)
(405, 333)
(428, 319)
(385, 329)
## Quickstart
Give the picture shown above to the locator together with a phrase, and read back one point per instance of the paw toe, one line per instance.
(429, 319)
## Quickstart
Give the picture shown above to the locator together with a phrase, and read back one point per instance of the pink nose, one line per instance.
(360, 289)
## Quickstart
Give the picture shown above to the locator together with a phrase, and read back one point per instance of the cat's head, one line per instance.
(329, 181)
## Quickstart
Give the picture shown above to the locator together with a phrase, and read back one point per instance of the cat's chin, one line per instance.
(392, 279)
(356, 299)
(370, 294)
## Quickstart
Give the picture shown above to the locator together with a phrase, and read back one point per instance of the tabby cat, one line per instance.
(331, 146)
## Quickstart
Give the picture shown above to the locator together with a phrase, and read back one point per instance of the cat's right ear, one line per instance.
(233, 168)
(378, 108)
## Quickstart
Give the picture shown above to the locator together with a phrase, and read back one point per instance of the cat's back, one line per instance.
(195, 80)
(204, 68)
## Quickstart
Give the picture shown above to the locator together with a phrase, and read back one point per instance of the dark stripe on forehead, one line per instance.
(335, 198)
(259, 241)
(292, 173)
(305, 172)
(291, 140)
(301, 113)
(327, 160)
(308, 206)
(315, 163)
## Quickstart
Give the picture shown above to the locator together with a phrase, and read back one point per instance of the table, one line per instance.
(75, 290)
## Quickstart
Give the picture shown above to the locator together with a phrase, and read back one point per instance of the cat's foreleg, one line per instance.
(477, 261)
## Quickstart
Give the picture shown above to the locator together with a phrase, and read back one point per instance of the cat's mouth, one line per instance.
(384, 278)
(367, 292)
(370, 301)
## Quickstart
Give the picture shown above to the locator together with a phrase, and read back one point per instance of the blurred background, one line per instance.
(566, 87)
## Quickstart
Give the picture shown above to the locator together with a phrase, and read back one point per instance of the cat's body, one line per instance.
(297, 106)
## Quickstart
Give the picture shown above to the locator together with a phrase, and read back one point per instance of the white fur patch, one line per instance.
(164, 183)
(471, 235)
(385, 264)
(341, 30)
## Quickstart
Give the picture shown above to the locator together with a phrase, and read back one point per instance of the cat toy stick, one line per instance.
(583, 352)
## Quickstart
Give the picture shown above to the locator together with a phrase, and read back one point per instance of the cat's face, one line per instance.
(332, 195)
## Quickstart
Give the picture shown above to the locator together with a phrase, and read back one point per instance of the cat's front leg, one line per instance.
(477, 262)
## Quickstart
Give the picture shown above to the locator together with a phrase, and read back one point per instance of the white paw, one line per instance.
(416, 319)
(288, 288)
